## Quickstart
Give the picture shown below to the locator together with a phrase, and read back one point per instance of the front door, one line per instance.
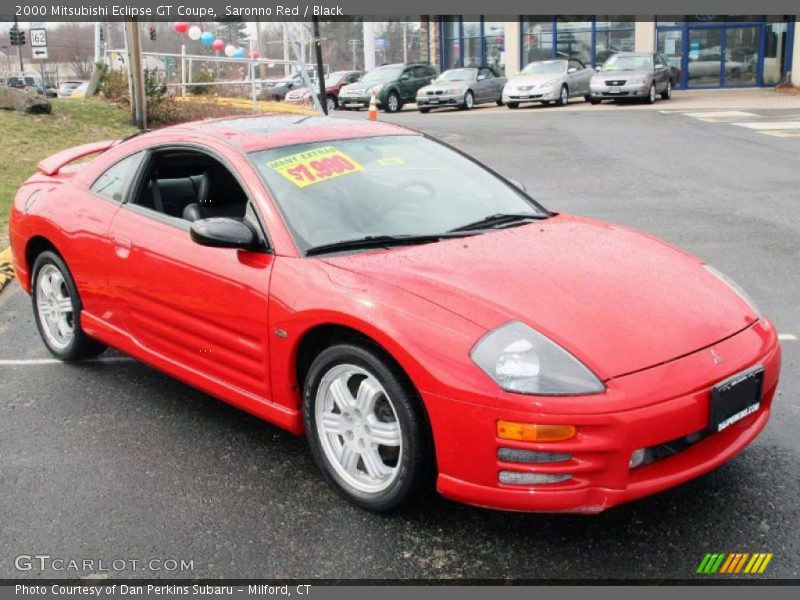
(203, 309)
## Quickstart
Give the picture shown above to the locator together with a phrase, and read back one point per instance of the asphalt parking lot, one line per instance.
(112, 460)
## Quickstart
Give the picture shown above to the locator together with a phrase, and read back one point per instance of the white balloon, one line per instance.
(195, 32)
(230, 50)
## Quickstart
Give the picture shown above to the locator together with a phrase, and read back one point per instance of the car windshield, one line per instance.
(457, 75)
(402, 185)
(545, 68)
(336, 77)
(628, 63)
(382, 75)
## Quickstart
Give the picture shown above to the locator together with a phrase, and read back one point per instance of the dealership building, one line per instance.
(704, 51)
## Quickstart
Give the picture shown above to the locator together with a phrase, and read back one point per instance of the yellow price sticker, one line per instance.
(315, 166)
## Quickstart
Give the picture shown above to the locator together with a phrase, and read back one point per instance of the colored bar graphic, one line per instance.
(734, 562)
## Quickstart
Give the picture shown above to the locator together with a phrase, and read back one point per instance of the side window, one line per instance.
(576, 64)
(111, 185)
(353, 78)
(420, 72)
(485, 73)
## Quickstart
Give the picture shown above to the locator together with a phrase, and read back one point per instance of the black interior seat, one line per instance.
(218, 195)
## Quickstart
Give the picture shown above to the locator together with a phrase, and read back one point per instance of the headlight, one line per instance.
(638, 80)
(454, 92)
(551, 82)
(735, 287)
(376, 88)
(522, 360)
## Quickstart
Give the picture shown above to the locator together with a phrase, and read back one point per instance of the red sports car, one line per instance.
(409, 309)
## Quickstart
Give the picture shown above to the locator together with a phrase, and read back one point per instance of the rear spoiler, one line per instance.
(53, 164)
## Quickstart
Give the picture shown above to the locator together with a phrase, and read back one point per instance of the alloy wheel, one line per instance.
(358, 428)
(54, 306)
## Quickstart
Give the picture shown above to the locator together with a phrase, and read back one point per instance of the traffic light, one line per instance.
(13, 34)
(21, 41)
(101, 31)
(152, 34)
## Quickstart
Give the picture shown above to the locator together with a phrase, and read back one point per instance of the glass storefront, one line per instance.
(589, 39)
(473, 42)
(707, 51)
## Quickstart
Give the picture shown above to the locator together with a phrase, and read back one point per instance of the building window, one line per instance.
(494, 45)
(589, 39)
(451, 40)
(473, 43)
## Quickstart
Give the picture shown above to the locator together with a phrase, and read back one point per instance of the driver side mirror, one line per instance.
(405, 77)
(597, 68)
(481, 77)
(433, 79)
(223, 232)
(572, 70)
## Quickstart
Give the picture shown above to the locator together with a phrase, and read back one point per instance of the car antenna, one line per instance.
(131, 136)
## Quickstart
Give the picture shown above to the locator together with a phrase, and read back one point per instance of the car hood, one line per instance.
(534, 79)
(625, 75)
(442, 87)
(618, 299)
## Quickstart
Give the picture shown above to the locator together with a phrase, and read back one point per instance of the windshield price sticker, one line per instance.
(315, 166)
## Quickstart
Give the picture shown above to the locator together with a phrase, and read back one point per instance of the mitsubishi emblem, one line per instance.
(715, 356)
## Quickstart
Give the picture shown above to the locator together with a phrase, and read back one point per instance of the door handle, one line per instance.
(122, 246)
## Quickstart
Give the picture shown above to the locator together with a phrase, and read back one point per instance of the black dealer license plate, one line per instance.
(735, 398)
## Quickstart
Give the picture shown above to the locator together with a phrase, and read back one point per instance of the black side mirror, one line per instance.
(223, 232)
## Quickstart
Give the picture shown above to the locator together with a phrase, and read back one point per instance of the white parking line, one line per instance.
(760, 126)
(787, 337)
(55, 361)
(719, 116)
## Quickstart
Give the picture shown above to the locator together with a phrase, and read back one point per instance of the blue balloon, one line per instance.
(207, 38)
(239, 53)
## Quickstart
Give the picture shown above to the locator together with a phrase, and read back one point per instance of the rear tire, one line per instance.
(57, 310)
(595, 101)
(424, 111)
(366, 427)
(512, 104)
(499, 102)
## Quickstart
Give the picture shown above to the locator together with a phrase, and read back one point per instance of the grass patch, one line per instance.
(27, 139)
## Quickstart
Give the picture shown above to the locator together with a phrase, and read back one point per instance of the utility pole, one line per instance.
(369, 45)
(323, 97)
(354, 46)
(138, 98)
(405, 42)
(286, 70)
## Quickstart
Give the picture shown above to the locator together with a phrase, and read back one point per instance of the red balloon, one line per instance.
(181, 26)
(218, 45)
(266, 62)
(254, 54)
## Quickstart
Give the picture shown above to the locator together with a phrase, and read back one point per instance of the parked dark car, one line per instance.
(277, 90)
(463, 88)
(334, 82)
(632, 75)
(393, 85)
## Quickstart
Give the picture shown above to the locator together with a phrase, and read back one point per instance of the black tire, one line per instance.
(416, 460)
(595, 101)
(469, 101)
(332, 103)
(512, 104)
(563, 96)
(545, 103)
(424, 111)
(651, 95)
(393, 103)
(81, 346)
(667, 93)
(499, 102)
(587, 98)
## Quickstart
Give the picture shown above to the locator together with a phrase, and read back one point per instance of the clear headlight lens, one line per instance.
(377, 88)
(454, 92)
(735, 287)
(551, 82)
(522, 360)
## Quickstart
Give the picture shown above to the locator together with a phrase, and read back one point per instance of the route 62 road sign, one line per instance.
(38, 38)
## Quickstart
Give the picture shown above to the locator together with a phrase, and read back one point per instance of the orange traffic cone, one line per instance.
(372, 115)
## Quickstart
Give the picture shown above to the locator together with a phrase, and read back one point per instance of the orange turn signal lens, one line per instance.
(529, 432)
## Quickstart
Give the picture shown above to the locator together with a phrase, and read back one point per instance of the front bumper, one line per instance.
(357, 101)
(440, 100)
(638, 90)
(532, 95)
(646, 409)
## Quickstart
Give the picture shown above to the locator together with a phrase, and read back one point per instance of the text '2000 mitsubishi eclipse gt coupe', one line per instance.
(406, 307)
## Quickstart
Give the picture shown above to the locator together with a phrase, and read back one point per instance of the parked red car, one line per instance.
(409, 309)
(334, 82)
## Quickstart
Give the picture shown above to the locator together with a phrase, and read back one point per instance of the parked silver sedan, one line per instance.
(549, 81)
(463, 88)
(632, 76)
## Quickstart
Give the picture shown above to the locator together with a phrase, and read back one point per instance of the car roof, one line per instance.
(633, 54)
(263, 132)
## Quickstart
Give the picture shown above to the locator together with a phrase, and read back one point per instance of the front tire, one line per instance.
(512, 104)
(393, 103)
(667, 93)
(651, 96)
(332, 104)
(366, 426)
(563, 96)
(57, 310)
(469, 101)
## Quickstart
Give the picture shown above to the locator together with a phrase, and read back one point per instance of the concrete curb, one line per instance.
(6, 270)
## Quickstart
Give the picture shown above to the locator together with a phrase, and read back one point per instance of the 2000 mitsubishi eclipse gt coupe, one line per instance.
(409, 309)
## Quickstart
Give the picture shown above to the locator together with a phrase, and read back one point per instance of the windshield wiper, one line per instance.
(498, 220)
(381, 241)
